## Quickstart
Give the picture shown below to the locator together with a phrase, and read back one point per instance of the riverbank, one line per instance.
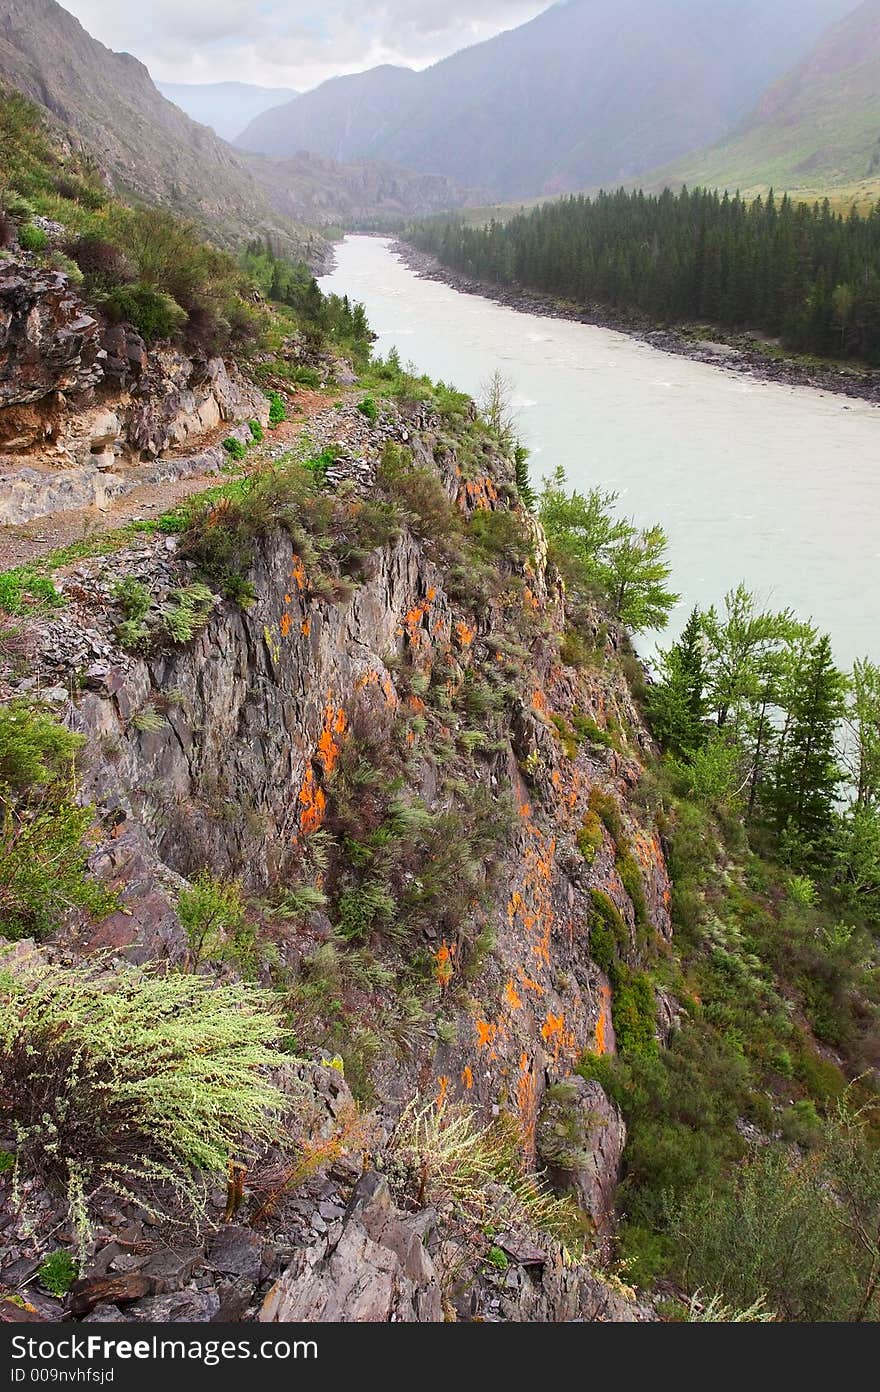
(736, 353)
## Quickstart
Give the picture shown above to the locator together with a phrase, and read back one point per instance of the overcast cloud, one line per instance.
(292, 43)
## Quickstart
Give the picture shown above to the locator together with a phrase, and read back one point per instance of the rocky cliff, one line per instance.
(432, 813)
(86, 410)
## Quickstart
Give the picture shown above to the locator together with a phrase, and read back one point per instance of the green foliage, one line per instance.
(236, 449)
(134, 1080)
(257, 433)
(609, 935)
(7, 1162)
(34, 748)
(44, 873)
(591, 837)
(600, 554)
(277, 409)
(676, 705)
(32, 238)
(607, 809)
(213, 913)
(154, 313)
(368, 408)
(57, 1272)
(23, 590)
(146, 623)
(633, 1011)
(43, 835)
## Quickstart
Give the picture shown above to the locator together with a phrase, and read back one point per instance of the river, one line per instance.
(775, 485)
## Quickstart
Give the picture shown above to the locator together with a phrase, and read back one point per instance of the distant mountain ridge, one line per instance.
(148, 148)
(819, 127)
(152, 152)
(589, 92)
(227, 107)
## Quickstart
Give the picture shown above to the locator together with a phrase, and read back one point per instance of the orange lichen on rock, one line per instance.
(306, 627)
(481, 492)
(298, 573)
(335, 724)
(512, 996)
(467, 1077)
(557, 1038)
(313, 801)
(539, 701)
(442, 1090)
(444, 969)
(527, 1107)
(465, 635)
(529, 985)
(604, 1021)
(285, 625)
(486, 1033)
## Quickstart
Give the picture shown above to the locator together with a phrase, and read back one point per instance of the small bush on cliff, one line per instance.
(34, 747)
(57, 1272)
(44, 835)
(103, 264)
(236, 449)
(277, 409)
(131, 1080)
(154, 314)
(368, 408)
(32, 238)
(256, 430)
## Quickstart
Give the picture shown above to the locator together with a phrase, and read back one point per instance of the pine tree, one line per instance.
(676, 703)
(807, 775)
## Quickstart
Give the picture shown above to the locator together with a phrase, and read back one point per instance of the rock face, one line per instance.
(48, 341)
(248, 724)
(581, 1136)
(83, 403)
(376, 1272)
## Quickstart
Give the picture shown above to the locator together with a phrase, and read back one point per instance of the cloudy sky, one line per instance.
(292, 43)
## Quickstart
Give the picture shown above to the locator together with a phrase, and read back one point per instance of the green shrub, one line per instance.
(606, 806)
(591, 837)
(236, 449)
(368, 408)
(607, 917)
(589, 732)
(307, 377)
(34, 747)
(277, 409)
(134, 1080)
(57, 1272)
(257, 434)
(213, 913)
(631, 878)
(153, 313)
(23, 590)
(7, 1162)
(32, 238)
(633, 1010)
(44, 873)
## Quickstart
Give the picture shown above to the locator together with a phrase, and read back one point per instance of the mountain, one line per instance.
(589, 92)
(818, 128)
(369, 194)
(227, 107)
(148, 149)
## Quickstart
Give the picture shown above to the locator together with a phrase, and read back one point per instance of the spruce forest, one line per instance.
(804, 273)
